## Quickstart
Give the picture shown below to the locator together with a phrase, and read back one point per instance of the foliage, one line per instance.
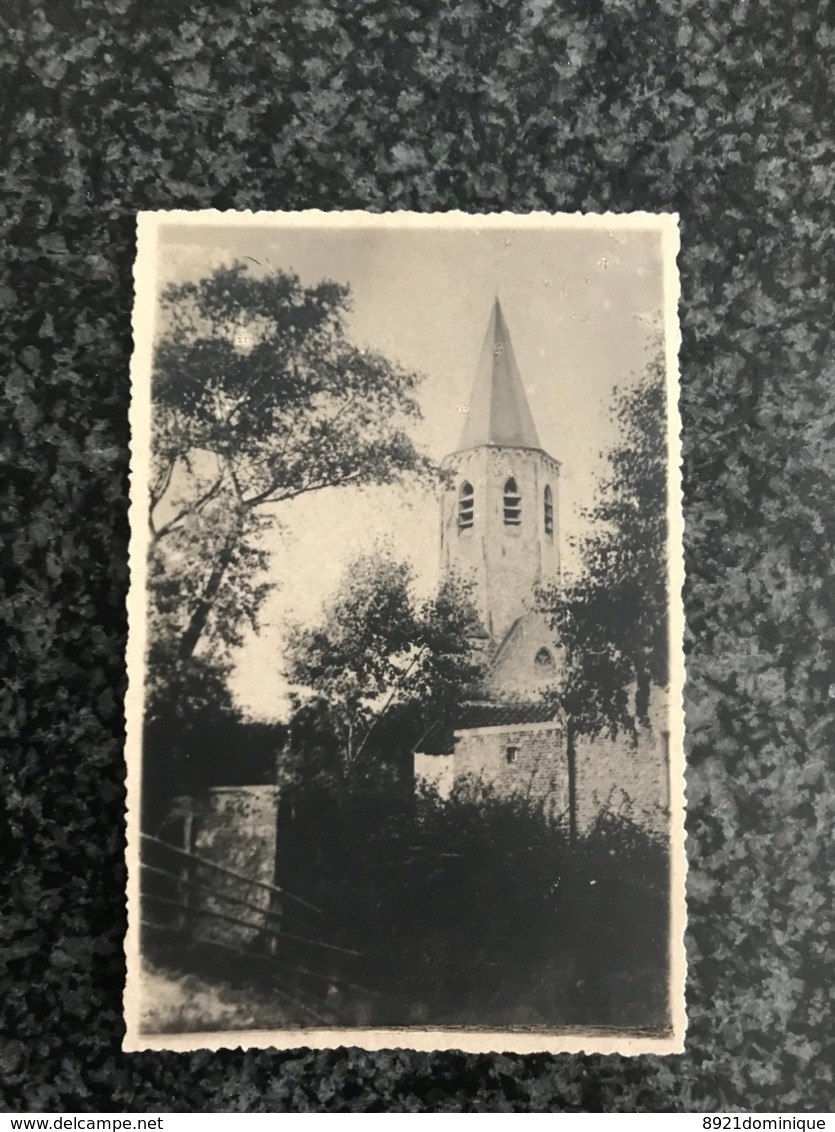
(478, 910)
(362, 647)
(194, 735)
(259, 397)
(612, 618)
(386, 663)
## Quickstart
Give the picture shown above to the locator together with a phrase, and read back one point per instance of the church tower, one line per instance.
(500, 531)
(500, 513)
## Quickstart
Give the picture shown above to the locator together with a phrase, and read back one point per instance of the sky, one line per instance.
(583, 309)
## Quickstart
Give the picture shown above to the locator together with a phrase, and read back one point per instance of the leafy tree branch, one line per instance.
(379, 656)
(259, 398)
(612, 618)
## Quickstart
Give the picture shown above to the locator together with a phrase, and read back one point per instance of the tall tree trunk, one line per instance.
(642, 692)
(200, 613)
(571, 752)
(389, 700)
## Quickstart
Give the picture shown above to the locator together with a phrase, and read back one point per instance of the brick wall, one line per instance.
(539, 769)
(626, 777)
(617, 775)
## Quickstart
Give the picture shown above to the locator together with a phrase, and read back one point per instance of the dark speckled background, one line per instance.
(721, 110)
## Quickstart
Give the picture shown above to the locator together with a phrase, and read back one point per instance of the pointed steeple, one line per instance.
(499, 412)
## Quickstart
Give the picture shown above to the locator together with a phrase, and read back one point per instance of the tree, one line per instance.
(195, 736)
(379, 656)
(259, 397)
(612, 619)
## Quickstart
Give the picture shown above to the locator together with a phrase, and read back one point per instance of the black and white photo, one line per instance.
(405, 733)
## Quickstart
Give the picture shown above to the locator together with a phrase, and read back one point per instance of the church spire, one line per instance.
(499, 412)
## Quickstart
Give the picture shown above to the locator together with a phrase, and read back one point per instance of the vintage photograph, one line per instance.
(405, 731)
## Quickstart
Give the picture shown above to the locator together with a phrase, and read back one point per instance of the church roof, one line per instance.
(440, 738)
(499, 413)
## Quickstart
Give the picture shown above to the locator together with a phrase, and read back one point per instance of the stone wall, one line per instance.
(235, 827)
(628, 777)
(535, 768)
(615, 775)
(436, 771)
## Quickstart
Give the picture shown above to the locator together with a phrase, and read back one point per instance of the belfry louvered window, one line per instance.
(549, 511)
(466, 503)
(512, 504)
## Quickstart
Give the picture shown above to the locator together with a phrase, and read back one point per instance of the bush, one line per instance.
(478, 910)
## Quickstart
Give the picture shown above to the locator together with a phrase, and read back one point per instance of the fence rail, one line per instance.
(205, 890)
(210, 913)
(297, 999)
(301, 968)
(264, 922)
(275, 889)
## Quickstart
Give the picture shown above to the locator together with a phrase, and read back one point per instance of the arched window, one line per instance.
(512, 504)
(543, 659)
(549, 511)
(466, 503)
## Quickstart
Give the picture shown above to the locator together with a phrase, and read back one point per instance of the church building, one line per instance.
(499, 531)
